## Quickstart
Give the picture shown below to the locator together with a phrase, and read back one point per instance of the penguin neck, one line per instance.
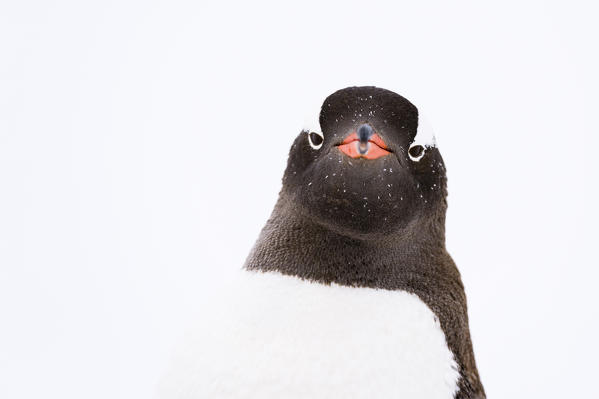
(293, 244)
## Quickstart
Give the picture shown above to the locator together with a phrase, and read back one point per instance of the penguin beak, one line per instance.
(364, 133)
(364, 143)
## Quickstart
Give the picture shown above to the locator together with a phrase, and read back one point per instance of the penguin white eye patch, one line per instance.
(315, 139)
(416, 152)
(425, 138)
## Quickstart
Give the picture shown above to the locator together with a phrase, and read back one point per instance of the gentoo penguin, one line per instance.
(349, 291)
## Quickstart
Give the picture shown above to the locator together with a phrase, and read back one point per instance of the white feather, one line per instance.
(425, 136)
(274, 336)
(311, 121)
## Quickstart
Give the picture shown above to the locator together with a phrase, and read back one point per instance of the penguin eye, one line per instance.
(416, 152)
(315, 139)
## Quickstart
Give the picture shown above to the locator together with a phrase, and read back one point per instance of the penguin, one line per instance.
(349, 291)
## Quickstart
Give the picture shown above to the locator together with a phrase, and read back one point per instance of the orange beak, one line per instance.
(375, 148)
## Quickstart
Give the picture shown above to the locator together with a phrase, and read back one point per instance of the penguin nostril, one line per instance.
(416, 152)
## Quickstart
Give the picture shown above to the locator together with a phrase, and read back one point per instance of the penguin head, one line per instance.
(370, 168)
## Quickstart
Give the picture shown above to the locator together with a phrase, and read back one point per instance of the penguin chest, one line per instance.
(275, 336)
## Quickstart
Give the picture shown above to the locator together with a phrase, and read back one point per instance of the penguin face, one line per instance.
(368, 171)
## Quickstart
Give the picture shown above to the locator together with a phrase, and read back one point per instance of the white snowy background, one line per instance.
(142, 146)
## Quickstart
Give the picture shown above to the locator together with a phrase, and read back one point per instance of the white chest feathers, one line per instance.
(274, 336)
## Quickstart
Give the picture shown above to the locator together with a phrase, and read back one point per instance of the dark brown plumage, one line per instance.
(371, 223)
